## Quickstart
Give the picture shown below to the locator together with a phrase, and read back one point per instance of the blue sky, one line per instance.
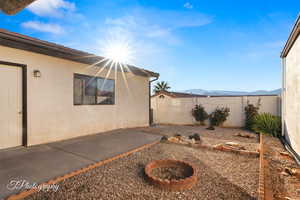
(215, 44)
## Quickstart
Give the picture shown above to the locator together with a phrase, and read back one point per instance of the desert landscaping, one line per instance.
(220, 175)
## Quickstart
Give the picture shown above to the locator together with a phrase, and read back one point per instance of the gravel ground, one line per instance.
(220, 176)
(283, 185)
(208, 137)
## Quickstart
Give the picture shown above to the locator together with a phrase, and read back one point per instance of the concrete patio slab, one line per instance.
(105, 145)
(40, 163)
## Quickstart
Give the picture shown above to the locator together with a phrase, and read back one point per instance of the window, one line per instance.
(89, 90)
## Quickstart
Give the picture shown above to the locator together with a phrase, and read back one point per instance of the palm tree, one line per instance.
(161, 86)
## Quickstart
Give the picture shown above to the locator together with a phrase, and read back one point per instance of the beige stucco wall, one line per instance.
(51, 113)
(291, 96)
(170, 110)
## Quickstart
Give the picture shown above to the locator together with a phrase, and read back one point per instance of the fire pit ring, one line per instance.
(172, 184)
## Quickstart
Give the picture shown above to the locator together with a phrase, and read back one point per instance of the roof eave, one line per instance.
(12, 7)
(292, 38)
(26, 43)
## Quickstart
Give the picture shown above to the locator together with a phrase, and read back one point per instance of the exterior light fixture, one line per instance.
(37, 73)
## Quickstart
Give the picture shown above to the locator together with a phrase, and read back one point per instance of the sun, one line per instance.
(118, 52)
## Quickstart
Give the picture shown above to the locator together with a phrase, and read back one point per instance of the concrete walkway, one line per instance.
(41, 163)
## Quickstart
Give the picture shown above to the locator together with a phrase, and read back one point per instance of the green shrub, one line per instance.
(219, 116)
(251, 111)
(199, 114)
(268, 124)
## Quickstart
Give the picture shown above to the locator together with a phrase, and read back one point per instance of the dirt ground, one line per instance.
(283, 185)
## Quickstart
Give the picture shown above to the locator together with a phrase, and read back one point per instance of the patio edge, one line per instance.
(264, 190)
(27, 193)
(261, 179)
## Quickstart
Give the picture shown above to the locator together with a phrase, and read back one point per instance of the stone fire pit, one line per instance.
(171, 174)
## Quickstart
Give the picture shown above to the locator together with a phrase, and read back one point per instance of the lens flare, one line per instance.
(118, 52)
(117, 56)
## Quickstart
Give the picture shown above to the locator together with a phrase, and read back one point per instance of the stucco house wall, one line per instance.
(51, 113)
(291, 100)
(170, 110)
(291, 91)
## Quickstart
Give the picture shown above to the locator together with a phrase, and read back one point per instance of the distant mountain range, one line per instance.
(225, 93)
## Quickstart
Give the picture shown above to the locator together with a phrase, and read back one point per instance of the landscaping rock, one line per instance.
(235, 145)
(284, 173)
(185, 140)
(173, 139)
(182, 140)
(293, 172)
(286, 155)
(193, 141)
(282, 198)
(245, 135)
(208, 137)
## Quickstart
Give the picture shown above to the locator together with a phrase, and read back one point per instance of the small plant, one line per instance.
(195, 136)
(211, 128)
(177, 135)
(251, 111)
(268, 124)
(164, 138)
(219, 116)
(199, 114)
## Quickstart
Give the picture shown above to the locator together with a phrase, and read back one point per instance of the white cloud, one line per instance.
(188, 5)
(43, 27)
(52, 8)
(158, 24)
(158, 32)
